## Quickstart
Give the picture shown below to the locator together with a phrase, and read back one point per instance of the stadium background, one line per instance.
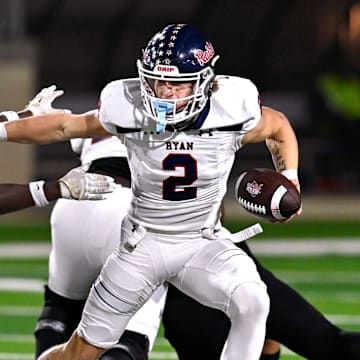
(303, 55)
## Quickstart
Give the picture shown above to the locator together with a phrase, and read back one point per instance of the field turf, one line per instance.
(330, 282)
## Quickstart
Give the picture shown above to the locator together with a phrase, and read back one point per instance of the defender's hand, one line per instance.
(41, 104)
(80, 185)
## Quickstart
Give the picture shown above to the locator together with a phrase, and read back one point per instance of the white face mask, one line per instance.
(165, 111)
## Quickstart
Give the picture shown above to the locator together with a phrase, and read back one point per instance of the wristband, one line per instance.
(3, 132)
(291, 174)
(38, 194)
(10, 115)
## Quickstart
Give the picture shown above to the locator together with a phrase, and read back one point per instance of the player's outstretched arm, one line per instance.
(76, 184)
(51, 128)
(40, 123)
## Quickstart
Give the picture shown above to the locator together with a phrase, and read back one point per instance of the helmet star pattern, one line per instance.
(160, 47)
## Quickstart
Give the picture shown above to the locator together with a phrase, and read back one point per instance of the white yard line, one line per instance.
(15, 338)
(325, 277)
(293, 277)
(266, 247)
(16, 356)
(19, 284)
(269, 247)
(309, 247)
(19, 310)
(24, 250)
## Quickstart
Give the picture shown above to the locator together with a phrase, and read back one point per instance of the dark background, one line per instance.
(304, 57)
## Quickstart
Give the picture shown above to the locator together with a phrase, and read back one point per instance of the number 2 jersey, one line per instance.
(179, 178)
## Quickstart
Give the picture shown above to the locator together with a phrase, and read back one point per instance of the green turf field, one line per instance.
(330, 282)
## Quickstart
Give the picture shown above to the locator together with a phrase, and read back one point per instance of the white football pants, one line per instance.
(84, 233)
(214, 272)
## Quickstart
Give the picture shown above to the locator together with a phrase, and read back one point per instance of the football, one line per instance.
(267, 194)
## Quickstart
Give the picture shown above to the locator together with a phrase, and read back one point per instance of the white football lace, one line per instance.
(258, 209)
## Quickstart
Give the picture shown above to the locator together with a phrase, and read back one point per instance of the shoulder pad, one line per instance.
(234, 105)
(120, 108)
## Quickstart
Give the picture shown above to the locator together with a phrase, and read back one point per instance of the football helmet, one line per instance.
(177, 53)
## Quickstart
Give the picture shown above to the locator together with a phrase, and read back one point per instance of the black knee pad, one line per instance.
(131, 346)
(57, 321)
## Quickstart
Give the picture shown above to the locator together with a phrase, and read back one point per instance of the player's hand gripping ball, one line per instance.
(267, 194)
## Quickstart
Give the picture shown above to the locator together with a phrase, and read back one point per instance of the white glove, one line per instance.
(41, 104)
(80, 185)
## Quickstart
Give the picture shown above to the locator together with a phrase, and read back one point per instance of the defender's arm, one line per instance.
(52, 128)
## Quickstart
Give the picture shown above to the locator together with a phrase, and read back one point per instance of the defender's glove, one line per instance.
(41, 104)
(80, 185)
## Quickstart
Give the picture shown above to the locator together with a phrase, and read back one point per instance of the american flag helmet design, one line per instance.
(179, 45)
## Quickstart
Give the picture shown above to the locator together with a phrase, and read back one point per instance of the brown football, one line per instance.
(267, 194)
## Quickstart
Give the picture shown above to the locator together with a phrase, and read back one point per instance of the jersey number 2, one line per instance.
(171, 185)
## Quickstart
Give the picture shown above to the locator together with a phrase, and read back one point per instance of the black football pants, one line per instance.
(199, 333)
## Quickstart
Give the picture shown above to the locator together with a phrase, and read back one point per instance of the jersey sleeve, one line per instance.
(117, 106)
(251, 106)
(234, 105)
(77, 145)
(106, 102)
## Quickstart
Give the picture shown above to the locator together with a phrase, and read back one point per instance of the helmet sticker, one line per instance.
(204, 57)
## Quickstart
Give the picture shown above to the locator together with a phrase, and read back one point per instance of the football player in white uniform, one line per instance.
(82, 239)
(82, 245)
(181, 126)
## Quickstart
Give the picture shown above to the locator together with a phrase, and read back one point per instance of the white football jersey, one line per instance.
(91, 149)
(179, 178)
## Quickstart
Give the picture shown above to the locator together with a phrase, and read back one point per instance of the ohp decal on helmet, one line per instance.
(178, 52)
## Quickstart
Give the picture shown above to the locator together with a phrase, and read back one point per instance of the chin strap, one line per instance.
(162, 109)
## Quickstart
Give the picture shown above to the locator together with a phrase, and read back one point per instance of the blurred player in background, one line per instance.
(77, 184)
(83, 236)
(82, 239)
(199, 332)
